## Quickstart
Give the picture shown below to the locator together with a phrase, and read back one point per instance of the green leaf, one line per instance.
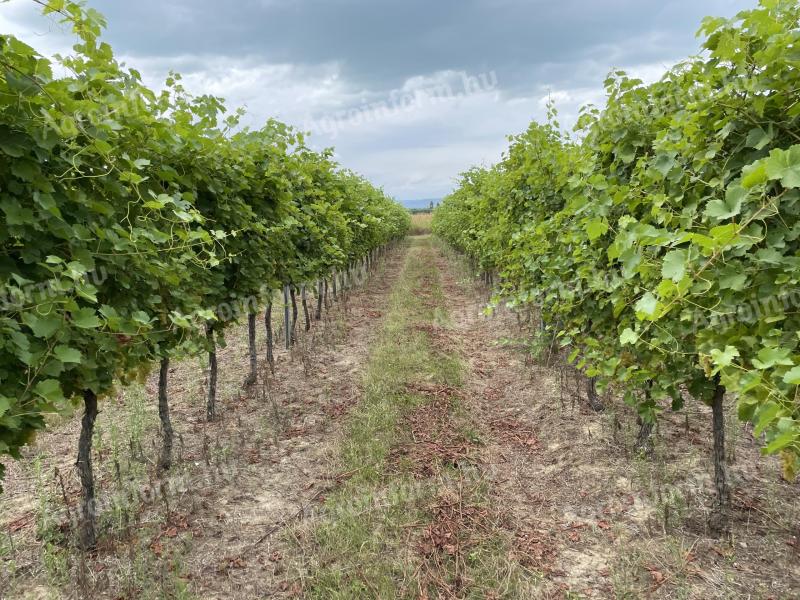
(784, 165)
(141, 317)
(86, 318)
(67, 355)
(724, 235)
(750, 380)
(43, 326)
(781, 442)
(769, 255)
(724, 358)
(730, 207)
(770, 357)
(50, 390)
(647, 305)
(626, 154)
(764, 416)
(596, 229)
(792, 377)
(13, 143)
(758, 138)
(54, 6)
(732, 281)
(674, 265)
(746, 408)
(26, 170)
(665, 162)
(628, 336)
(5, 404)
(130, 176)
(630, 261)
(16, 214)
(753, 175)
(87, 292)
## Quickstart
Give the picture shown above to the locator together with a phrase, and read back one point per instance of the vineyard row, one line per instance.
(137, 225)
(661, 243)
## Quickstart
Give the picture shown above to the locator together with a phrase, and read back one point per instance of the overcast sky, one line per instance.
(410, 93)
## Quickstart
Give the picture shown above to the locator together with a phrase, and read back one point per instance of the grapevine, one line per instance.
(660, 245)
(135, 224)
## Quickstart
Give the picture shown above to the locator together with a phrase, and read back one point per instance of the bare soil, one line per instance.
(592, 516)
(587, 515)
(237, 481)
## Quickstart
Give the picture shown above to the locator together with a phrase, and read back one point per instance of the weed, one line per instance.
(47, 524)
(364, 542)
(55, 561)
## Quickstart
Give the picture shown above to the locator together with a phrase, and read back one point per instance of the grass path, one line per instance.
(474, 472)
(414, 519)
(407, 447)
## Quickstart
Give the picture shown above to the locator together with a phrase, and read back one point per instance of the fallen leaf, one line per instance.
(658, 576)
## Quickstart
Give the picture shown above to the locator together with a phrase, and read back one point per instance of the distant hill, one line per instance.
(423, 203)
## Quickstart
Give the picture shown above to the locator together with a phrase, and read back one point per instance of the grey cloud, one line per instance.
(381, 43)
(305, 61)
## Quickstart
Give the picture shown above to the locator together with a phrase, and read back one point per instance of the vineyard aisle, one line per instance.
(471, 475)
(406, 448)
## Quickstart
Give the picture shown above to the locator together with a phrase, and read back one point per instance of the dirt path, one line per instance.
(408, 447)
(416, 519)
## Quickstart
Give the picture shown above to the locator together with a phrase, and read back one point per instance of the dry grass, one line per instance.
(597, 519)
(212, 528)
(406, 448)
(421, 223)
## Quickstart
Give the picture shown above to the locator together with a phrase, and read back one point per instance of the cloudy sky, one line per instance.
(409, 92)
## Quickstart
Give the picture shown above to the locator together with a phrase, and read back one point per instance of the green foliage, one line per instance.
(664, 245)
(129, 218)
